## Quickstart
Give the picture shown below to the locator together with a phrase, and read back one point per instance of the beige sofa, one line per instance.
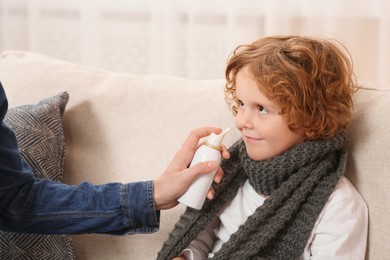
(120, 128)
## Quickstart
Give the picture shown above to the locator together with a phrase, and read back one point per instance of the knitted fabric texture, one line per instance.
(297, 184)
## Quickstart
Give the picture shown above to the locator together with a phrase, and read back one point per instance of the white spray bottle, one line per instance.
(195, 196)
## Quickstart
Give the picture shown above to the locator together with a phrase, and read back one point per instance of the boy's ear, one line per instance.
(310, 133)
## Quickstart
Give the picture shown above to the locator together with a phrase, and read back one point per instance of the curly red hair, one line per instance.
(311, 79)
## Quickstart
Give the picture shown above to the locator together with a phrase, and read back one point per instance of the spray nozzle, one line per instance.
(214, 141)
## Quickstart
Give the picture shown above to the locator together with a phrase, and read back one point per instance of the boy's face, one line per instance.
(263, 129)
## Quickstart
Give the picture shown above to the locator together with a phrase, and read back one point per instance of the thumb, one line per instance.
(200, 168)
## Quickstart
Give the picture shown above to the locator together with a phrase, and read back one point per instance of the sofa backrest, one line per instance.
(369, 163)
(121, 127)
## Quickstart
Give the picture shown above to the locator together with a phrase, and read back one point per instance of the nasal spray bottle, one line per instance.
(210, 151)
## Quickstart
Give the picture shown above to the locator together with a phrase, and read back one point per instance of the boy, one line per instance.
(283, 195)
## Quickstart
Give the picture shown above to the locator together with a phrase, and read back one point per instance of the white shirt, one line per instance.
(340, 231)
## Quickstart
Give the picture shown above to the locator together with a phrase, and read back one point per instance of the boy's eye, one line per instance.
(262, 109)
(240, 103)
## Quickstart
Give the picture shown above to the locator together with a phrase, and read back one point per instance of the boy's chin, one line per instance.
(258, 155)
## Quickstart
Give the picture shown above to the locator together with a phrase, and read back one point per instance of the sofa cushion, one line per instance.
(39, 133)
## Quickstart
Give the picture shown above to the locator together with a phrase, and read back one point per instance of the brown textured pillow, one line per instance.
(38, 129)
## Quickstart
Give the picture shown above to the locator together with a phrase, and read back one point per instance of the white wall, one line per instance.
(190, 38)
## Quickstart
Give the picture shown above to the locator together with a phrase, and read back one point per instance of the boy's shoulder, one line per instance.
(345, 191)
(345, 203)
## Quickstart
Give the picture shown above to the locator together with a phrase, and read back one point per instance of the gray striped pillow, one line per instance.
(38, 129)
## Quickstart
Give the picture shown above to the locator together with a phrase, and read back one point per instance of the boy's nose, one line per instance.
(244, 119)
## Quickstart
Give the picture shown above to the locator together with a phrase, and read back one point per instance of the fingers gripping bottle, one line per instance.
(196, 194)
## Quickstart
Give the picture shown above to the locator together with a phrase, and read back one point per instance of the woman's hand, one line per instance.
(176, 179)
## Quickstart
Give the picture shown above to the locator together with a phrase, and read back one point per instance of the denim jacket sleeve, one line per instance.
(32, 205)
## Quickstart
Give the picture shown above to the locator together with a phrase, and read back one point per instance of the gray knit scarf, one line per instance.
(297, 185)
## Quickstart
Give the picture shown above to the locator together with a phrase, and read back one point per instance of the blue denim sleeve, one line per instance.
(138, 196)
(32, 205)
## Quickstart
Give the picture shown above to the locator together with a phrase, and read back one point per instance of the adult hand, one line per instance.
(176, 178)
